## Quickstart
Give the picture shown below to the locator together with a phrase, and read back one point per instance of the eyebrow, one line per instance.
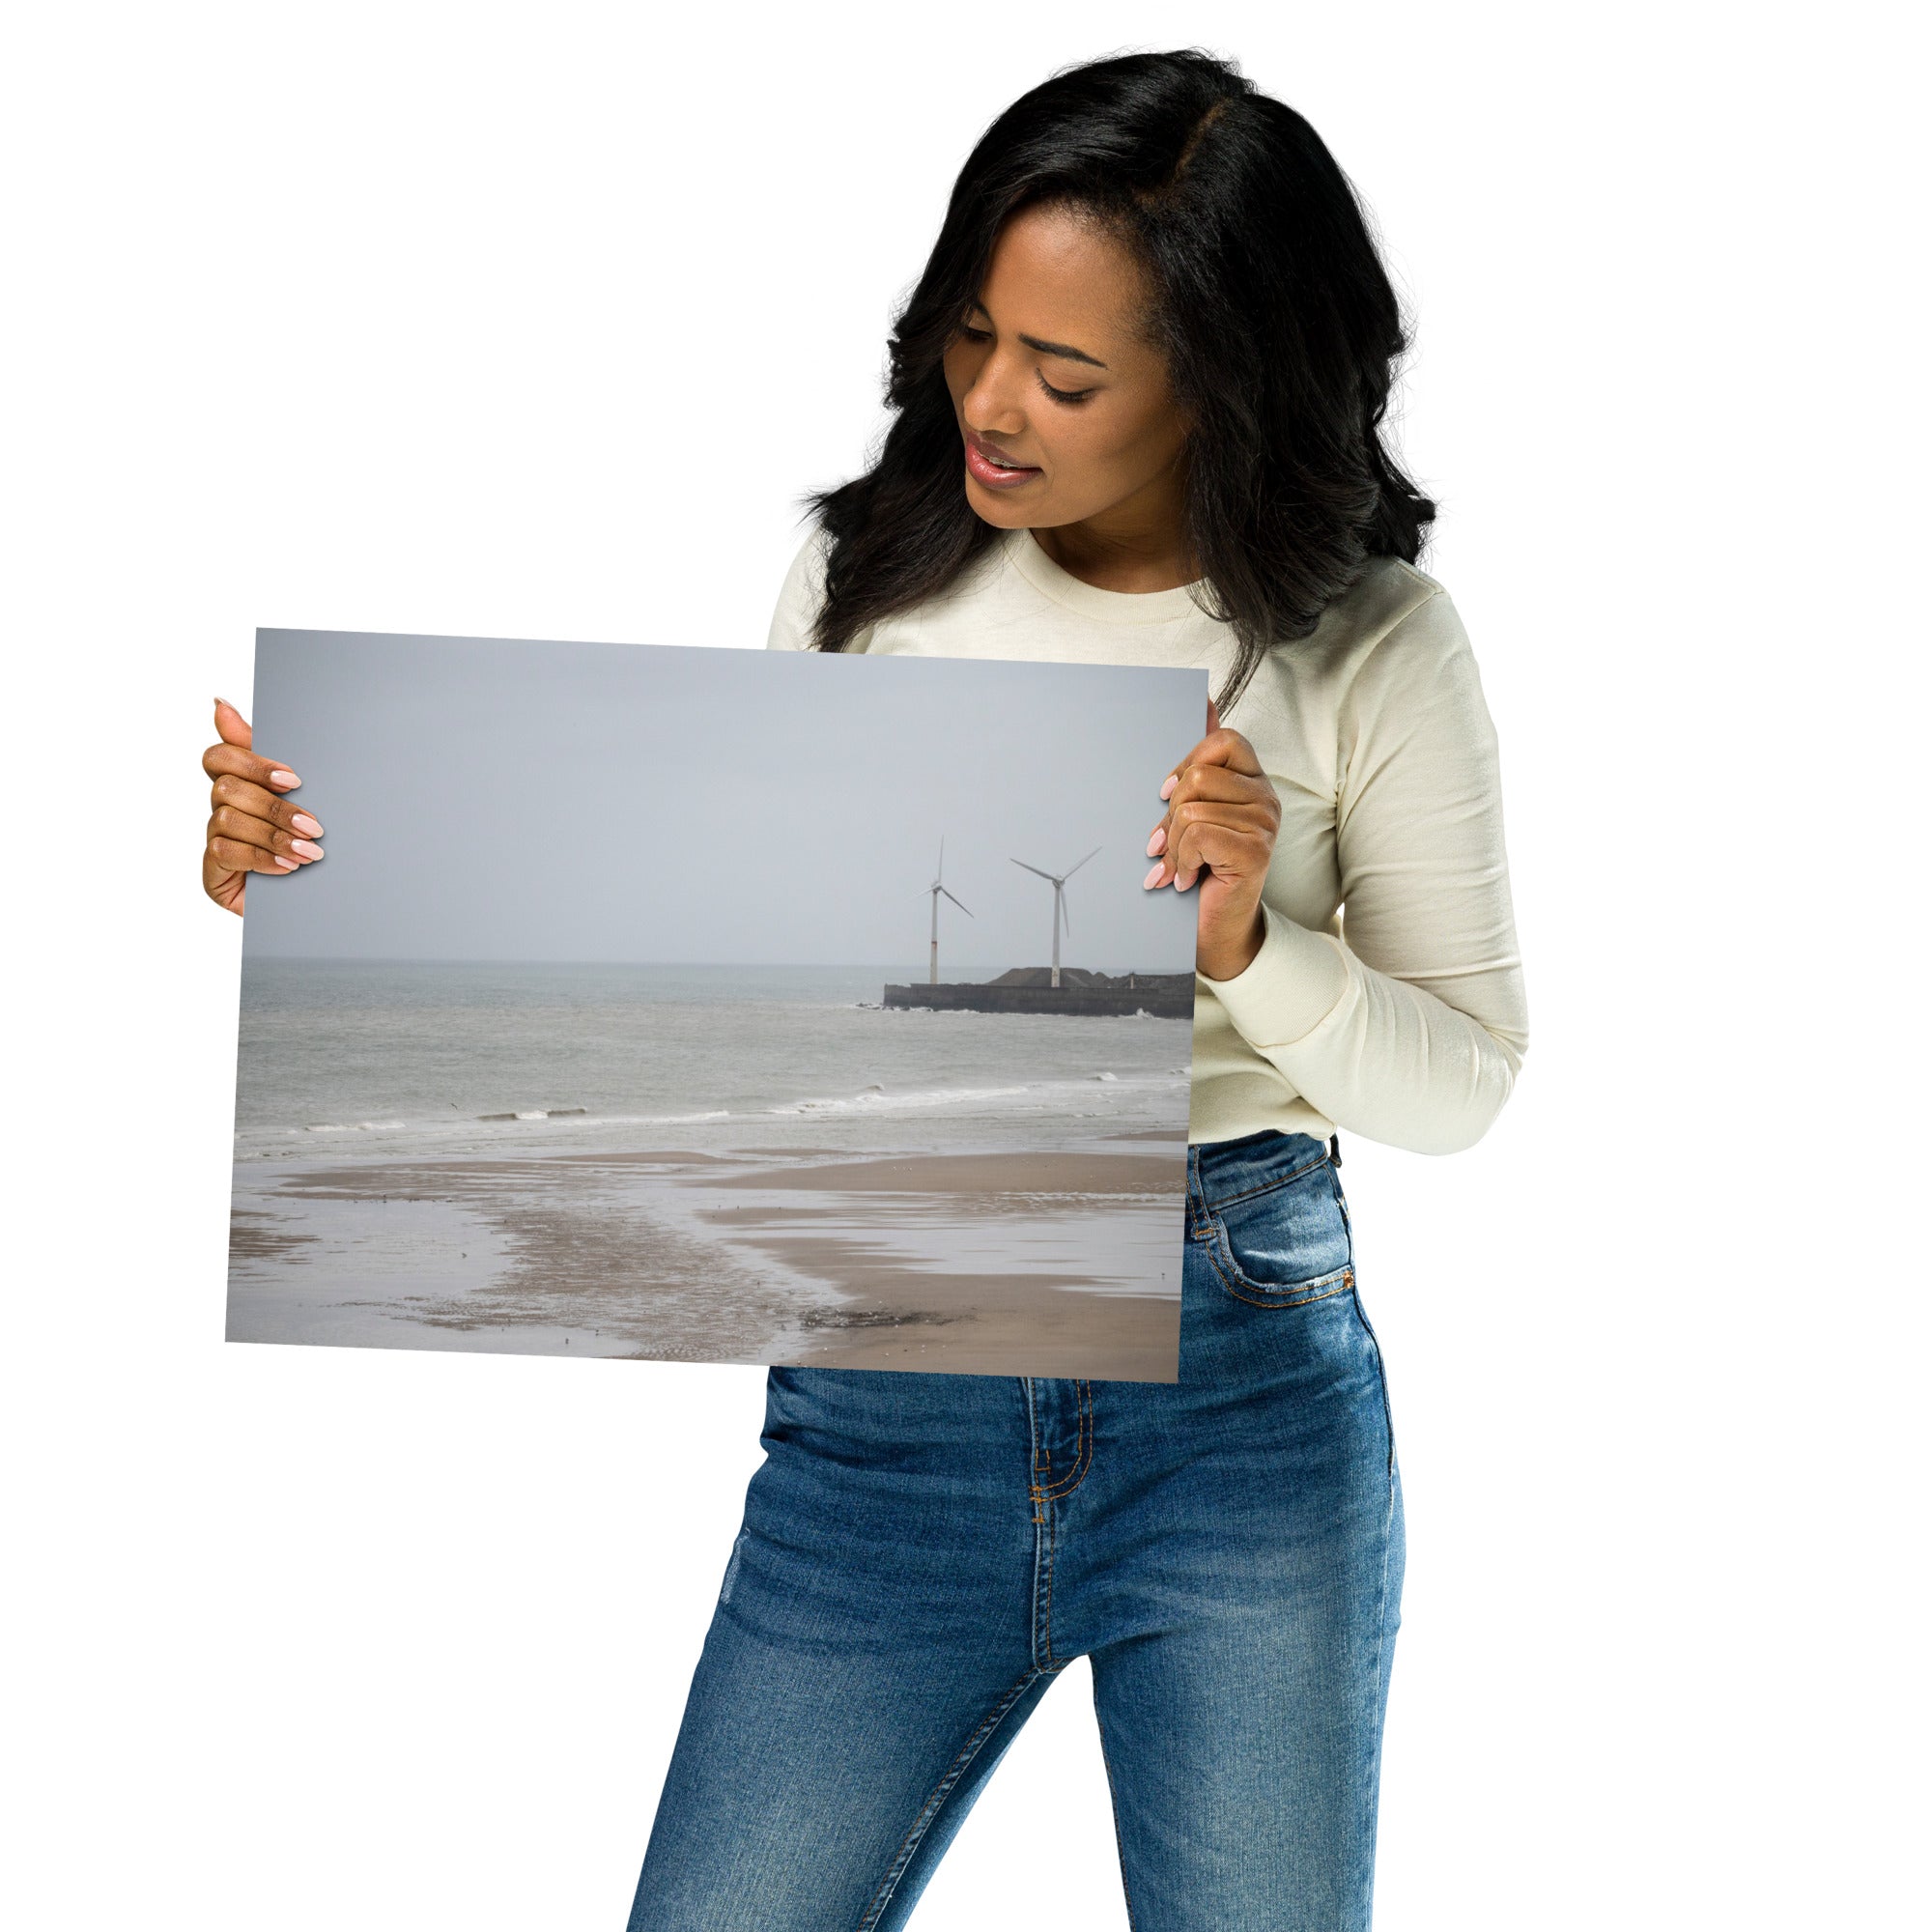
(1066, 349)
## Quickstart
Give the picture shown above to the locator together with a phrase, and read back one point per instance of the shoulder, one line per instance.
(1411, 678)
(801, 595)
(1389, 619)
(1395, 642)
(1394, 626)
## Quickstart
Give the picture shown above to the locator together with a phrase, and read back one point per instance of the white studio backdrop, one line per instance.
(524, 321)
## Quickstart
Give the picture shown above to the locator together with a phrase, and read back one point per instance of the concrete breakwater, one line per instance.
(1030, 989)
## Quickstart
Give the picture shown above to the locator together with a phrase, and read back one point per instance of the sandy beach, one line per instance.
(1060, 1262)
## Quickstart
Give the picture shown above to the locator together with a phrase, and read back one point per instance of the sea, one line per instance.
(362, 1060)
(662, 1161)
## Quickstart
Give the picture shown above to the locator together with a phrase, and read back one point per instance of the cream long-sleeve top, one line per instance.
(1388, 997)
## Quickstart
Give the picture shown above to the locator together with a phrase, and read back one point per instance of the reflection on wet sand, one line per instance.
(1057, 1264)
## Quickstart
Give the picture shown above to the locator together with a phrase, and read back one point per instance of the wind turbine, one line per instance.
(1058, 883)
(936, 889)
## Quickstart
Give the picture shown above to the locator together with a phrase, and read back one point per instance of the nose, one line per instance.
(990, 404)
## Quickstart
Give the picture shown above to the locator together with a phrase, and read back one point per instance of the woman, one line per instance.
(1137, 397)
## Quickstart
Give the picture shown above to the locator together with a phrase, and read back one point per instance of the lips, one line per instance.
(993, 467)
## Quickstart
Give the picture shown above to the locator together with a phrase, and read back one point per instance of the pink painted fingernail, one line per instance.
(307, 848)
(281, 778)
(305, 825)
(1167, 790)
(287, 864)
(1157, 842)
(1152, 877)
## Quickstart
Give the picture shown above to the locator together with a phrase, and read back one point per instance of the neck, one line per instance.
(1137, 545)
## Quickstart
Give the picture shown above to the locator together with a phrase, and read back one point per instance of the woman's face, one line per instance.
(1048, 372)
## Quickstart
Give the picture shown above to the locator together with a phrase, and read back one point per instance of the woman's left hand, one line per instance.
(1222, 817)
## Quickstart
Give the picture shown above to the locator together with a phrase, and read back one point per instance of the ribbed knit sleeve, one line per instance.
(1412, 1026)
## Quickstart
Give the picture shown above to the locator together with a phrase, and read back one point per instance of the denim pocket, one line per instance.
(1286, 1242)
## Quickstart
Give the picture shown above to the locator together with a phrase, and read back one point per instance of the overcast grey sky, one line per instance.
(499, 799)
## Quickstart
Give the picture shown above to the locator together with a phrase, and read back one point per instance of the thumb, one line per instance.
(1213, 716)
(233, 728)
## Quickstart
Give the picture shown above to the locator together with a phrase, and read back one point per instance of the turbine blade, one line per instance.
(1065, 916)
(1035, 870)
(959, 902)
(1071, 870)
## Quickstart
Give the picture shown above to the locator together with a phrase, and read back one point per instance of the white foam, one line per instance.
(655, 1120)
(875, 1099)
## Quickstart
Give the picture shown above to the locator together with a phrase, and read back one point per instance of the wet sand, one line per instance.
(986, 1324)
(993, 1262)
(1014, 1177)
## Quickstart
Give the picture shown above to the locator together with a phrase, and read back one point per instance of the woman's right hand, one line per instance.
(253, 828)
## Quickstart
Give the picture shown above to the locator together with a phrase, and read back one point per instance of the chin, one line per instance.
(990, 507)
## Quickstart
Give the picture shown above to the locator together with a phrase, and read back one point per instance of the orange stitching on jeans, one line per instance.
(1342, 1287)
(1239, 1287)
(1082, 1461)
(1228, 1201)
(1083, 1455)
(1082, 1450)
(1043, 1634)
(1035, 1613)
(1040, 1460)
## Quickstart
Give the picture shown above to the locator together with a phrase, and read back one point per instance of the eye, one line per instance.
(976, 334)
(1065, 396)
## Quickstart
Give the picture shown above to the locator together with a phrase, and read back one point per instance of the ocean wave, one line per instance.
(1071, 1091)
(875, 1099)
(658, 1120)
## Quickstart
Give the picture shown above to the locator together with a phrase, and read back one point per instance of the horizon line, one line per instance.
(455, 959)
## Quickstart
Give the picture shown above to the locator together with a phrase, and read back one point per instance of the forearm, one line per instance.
(1378, 1055)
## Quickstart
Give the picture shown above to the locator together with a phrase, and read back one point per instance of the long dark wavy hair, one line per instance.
(1269, 301)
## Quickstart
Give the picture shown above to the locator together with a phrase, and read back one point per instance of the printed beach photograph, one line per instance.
(693, 1004)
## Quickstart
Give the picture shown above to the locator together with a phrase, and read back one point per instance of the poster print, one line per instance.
(702, 1005)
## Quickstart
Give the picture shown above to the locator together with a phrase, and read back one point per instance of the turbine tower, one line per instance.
(936, 889)
(1058, 881)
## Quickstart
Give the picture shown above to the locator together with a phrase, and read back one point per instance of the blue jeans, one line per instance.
(921, 1555)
